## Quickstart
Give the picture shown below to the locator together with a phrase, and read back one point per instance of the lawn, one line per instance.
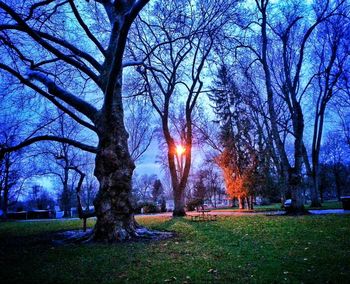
(245, 249)
(329, 204)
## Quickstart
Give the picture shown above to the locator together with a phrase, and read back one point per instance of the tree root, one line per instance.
(87, 237)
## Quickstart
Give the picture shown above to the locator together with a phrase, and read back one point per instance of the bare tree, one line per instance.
(143, 187)
(284, 38)
(332, 56)
(174, 46)
(65, 69)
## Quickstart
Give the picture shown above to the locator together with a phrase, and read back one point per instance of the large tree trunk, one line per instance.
(179, 174)
(312, 176)
(178, 187)
(315, 189)
(113, 169)
(113, 165)
(297, 192)
(179, 202)
(113, 203)
(285, 190)
(295, 173)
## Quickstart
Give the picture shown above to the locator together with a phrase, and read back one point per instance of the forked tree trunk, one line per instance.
(178, 174)
(113, 165)
(178, 188)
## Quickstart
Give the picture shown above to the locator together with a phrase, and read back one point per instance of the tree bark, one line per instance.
(114, 168)
(113, 165)
(313, 176)
(177, 180)
(315, 189)
(179, 202)
(297, 192)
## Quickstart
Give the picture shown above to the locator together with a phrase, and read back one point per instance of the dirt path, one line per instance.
(242, 213)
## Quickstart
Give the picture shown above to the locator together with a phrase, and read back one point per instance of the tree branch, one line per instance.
(79, 104)
(32, 33)
(48, 96)
(36, 139)
(86, 28)
(60, 42)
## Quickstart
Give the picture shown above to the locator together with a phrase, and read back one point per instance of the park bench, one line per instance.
(203, 215)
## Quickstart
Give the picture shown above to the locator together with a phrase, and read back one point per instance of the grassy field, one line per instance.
(246, 249)
(329, 204)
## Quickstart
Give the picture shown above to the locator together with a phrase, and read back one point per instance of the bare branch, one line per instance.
(46, 95)
(36, 139)
(79, 104)
(86, 28)
(32, 33)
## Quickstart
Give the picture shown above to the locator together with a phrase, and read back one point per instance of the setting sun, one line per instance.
(180, 149)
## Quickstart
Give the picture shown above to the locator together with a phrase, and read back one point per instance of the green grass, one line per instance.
(246, 249)
(257, 208)
(331, 204)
